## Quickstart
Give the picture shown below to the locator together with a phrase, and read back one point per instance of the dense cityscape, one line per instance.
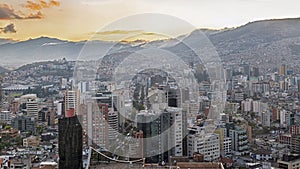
(139, 84)
(46, 121)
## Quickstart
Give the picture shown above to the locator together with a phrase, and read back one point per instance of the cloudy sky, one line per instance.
(80, 19)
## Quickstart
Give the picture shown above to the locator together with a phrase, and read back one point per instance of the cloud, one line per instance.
(37, 15)
(8, 29)
(149, 33)
(41, 4)
(7, 13)
(127, 32)
(119, 32)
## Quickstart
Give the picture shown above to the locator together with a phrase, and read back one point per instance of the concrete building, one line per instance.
(24, 124)
(5, 116)
(94, 123)
(289, 162)
(205, 144)
(261, 155)
(32, 141)
(282, 70)
(71, 102)
(239, 140)
(225, 142)
(285, 139)
(247, 105)
(258, 88)
(295, 130)
(227, 147)
(286, 118)
(32, 108)
(295, 144)
(266, 119)
(29, 105)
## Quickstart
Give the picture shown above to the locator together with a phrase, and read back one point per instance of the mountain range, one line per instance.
(271, 41)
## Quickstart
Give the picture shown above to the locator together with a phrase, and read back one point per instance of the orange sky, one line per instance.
(80, 19)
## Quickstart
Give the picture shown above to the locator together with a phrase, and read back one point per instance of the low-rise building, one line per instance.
(8, 134)
(5, 116)
(261, 155)
(32, 141)
(24, 124)
(289, 162)
(205, 144)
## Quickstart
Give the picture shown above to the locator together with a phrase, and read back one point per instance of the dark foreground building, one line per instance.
(70, 143)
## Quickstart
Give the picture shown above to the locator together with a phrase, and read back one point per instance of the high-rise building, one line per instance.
(108, 105)
(247, 105)
(225, 142)
(94, 123)
(30, 105)
(83, 87)
(70, 133)
(239, 140)
(282, 69)
(255, 72)
(286, 118)
(283, 85)
(71, 102)
(1, 97)
(70, 142)
(227, 145)
(32, 108)
(162, 133)
(246, 70)
(298, 84)
(266, 118)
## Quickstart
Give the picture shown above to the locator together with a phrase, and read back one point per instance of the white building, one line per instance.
(71, 100)
(285, 118)
(205, 144)
(227, 146)
(176, 130)
(247, 105)
(112, 124)
(32, 108)
(259, 107)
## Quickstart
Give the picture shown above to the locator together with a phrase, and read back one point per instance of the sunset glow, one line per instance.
(77, 20)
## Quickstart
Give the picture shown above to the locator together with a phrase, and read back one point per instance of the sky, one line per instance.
(77, 20)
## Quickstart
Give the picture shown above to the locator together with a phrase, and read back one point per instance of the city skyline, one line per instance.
(79, 20)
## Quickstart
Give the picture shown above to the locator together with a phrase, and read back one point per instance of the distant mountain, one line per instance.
(44, 48)
(256, 33)
(2, 70)
(265, 44)
(271, 41)
(4, 41)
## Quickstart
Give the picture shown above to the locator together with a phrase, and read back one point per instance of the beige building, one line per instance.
(32, 141)
(289, 162)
